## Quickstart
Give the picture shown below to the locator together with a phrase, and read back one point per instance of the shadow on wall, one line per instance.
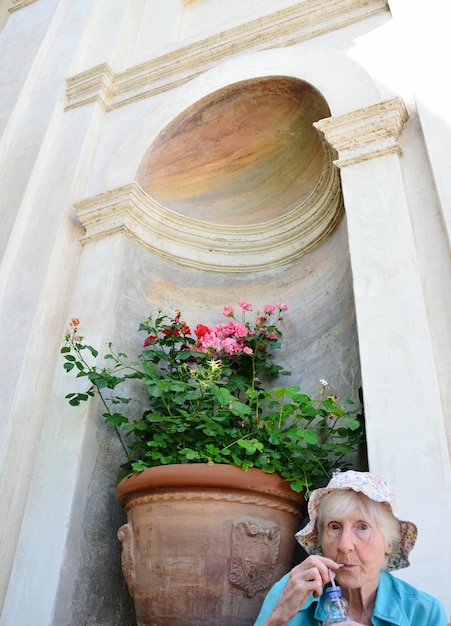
(100, 594)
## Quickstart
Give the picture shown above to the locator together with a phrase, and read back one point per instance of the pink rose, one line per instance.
(228, 311)
(241, 330)
(230, 346)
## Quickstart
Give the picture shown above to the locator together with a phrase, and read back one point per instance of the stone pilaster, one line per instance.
(399, 356)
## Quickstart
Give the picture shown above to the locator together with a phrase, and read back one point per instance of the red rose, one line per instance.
(148, 340)
(201, 330)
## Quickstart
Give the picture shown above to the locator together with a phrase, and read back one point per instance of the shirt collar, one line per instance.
(388, 607)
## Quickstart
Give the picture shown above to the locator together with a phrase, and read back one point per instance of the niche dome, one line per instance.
(244, 155)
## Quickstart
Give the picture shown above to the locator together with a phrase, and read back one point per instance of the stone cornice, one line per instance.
(367, 133)
(19, 4)
(94, 85)
(210, 246)
(286, 27)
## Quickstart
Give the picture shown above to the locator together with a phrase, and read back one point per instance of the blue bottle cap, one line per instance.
(334, 592)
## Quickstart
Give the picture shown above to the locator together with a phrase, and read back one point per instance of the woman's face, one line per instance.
(359, 544)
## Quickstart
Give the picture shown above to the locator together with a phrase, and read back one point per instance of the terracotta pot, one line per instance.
(203, 543)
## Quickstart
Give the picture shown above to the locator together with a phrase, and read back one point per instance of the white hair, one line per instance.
(341, 502)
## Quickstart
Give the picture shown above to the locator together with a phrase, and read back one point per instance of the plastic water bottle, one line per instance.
(336, 607)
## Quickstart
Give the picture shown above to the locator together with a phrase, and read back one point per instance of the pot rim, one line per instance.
(214, 476)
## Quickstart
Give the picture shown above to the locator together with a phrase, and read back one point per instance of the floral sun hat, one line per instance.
(376, 489)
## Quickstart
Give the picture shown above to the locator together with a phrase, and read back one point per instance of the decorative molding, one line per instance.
(367, 133)
(255, 550)
(217, 496)
(19, 4)
(215, 247)
(96, 86)
(286, 27)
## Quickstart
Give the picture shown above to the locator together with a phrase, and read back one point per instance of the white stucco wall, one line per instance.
(398, 219)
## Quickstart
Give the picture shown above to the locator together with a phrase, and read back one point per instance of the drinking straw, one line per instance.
(332, 580)
(334, 586)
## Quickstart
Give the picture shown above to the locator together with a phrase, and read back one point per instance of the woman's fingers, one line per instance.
(310, 575)
(304, 579)
(323, 565)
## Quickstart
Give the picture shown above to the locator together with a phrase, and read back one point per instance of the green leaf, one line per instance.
(97, 380)
(310, 436)
(80, 397)
(116, 419)
(239, 407)
(297, 485)
(139, 466)
(250, 445)
(191, 455)
(92, 350)
(352, 423)
(156, 417)
(150, 369)
(223, 395)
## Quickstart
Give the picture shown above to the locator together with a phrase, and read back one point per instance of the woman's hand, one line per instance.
(306, 578)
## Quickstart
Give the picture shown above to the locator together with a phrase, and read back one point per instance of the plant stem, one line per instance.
(119, 436)
(234, 442)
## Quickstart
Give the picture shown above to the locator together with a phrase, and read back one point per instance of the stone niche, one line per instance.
(244, 178)
(236, 198)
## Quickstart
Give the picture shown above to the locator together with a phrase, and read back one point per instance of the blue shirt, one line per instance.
(397, 604)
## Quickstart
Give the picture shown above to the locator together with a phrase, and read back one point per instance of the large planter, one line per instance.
(203, 543)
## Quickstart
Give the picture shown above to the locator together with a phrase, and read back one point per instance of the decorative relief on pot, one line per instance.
(125, 536)
(255, 549)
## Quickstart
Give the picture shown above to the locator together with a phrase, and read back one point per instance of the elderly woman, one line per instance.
(354, 538)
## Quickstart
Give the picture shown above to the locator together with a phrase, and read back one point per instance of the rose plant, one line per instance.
(209, 398)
